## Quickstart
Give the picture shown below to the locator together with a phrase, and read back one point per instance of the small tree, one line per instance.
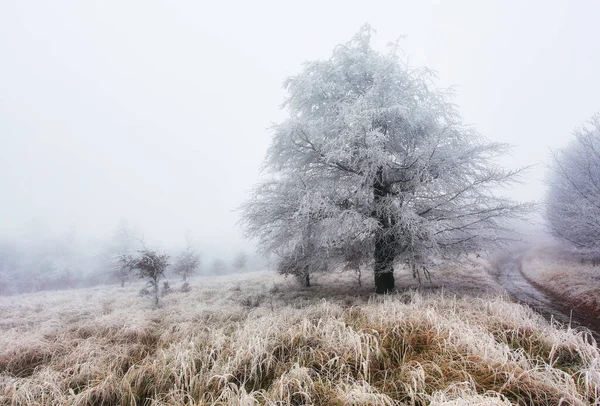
(300, 266)
(123, 268)
(240, 261)
(573, 199)
(151, 266)
(117, 253)
(187, 263)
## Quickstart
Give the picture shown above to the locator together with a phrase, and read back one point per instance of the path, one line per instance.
(512, 280)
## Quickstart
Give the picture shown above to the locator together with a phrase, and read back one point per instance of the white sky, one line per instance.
(157, 111)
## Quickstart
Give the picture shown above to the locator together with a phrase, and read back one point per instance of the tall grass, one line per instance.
(262, 341)
(564, 275)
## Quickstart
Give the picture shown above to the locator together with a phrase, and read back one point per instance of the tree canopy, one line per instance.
(374, 166)
(151, 266)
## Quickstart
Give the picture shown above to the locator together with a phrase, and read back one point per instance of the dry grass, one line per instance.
(259, 340)
(557, 271)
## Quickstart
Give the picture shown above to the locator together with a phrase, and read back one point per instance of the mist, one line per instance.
(317, 202)
(158, 114)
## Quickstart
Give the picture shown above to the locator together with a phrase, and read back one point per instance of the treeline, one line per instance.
(67, 262)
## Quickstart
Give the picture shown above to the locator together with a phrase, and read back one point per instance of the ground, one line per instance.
(558, 271)
(259, 339)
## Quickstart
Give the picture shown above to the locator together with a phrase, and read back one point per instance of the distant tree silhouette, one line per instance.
(151, 266)
(240, 261)
(187, 263)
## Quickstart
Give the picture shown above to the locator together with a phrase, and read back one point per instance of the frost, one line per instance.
(374, 165)
(573, 201)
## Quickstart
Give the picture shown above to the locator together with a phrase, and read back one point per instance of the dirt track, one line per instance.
(508, 272)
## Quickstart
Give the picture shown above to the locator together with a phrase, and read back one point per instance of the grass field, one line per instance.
(565, 276)
(258, 339)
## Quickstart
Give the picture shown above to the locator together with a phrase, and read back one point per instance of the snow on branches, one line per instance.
(573, 200)
(374, 165)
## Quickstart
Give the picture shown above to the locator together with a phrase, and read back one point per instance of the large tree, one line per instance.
(374, 166)
(573, 200)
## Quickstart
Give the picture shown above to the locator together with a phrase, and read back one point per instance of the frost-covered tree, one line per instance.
(151, 266)
(301, 263)
(374, 165)
(123, 267)
(573, 199)
(187, 263)
(118, 253)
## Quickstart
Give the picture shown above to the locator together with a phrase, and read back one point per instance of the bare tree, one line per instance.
(187, 263)
(151, 266)
(573, 199)
(373, 159)
(123, 267)
(119, 251)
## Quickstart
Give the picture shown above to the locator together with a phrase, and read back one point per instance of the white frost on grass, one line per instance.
(259, 339)
(559, 272)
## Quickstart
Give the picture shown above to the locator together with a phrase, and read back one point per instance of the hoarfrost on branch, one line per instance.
(375, 166)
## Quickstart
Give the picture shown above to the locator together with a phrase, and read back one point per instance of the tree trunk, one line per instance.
(385, 240)
(384, 261)
(155, 291)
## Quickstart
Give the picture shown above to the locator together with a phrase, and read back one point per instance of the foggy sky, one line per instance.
(158, 112)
